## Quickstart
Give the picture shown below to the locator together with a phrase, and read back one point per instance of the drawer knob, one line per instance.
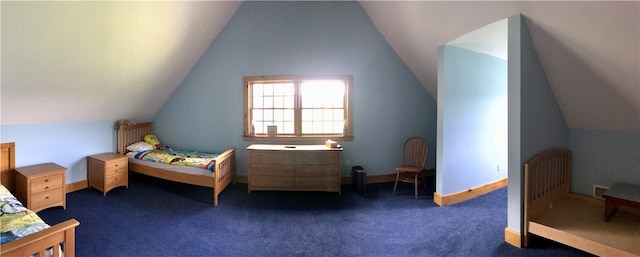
(46, 188)
(46, 180)
(46, 197)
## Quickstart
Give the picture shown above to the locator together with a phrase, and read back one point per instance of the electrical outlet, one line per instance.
(598, 190)
(498, 167)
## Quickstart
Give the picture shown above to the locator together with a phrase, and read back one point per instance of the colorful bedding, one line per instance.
(179, 157)
(16, 221)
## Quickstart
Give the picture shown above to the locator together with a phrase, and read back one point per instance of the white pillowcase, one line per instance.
(131, 154)
(139, 147)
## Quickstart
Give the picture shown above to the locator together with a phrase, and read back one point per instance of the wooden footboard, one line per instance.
(61, 234)
(222, 175)
(546, 183)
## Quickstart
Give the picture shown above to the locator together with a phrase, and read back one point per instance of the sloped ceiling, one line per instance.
(100, 60)
(590, 51)
(84, 61)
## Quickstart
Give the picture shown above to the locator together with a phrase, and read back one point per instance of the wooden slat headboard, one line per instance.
(132, 133)
(7, 164)
(547, 181)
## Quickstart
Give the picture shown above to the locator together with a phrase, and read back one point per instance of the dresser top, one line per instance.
(107, 156)
(269, 147)
(40, 169)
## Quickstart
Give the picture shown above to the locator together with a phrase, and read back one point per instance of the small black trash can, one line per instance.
(359, 179)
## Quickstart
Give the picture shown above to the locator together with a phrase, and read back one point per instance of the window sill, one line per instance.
(283, 138)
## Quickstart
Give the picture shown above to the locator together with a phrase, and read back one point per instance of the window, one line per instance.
(298, 108)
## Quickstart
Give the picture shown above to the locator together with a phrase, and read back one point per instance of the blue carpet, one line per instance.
(154, 217)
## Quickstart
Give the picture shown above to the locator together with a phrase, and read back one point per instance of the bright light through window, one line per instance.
(297, 106)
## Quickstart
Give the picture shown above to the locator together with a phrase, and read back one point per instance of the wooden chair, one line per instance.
(414, 157)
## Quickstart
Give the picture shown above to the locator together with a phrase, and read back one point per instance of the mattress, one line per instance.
(17, 221)
(586, 220)
(173, 168)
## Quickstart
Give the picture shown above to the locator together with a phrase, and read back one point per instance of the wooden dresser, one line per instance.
(294, 167)
(107, 171)
(41, 186)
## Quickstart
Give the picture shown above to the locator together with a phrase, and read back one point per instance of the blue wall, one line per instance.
(536, 123)
(603, 158)
(280, 38)
(472, 96)
(67, 144)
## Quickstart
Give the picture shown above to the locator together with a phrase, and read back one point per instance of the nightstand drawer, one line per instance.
(115, 180)
(46, 198)
(107, 171)
(116, 166)
(46, 183)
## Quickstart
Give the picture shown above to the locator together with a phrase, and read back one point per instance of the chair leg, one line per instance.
(415, 182)
(396, 185)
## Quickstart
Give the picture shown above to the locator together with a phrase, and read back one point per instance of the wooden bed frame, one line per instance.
(552, 212)
(222, 176)
(39, 242)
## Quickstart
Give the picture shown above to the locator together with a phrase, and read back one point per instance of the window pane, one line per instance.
(268, 115)
(257, 102)
(268, 102)
(260, 128)
(257, 115)
(257, 90)
(288, 127)
(278, 115)
(268, 89)
(338, 114)
(321, 105)
(278, 102)
(307, 115)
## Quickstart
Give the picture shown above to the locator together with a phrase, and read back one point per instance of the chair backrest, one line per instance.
(415, 151)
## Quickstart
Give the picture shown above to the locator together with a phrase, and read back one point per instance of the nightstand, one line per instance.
(107, 171)
(41, 186)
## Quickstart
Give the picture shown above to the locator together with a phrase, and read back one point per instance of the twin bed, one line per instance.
(218, 177)
(26, 234)
(552, 212)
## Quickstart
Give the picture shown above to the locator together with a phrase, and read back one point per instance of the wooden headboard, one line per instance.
(547, 181)
(7, 164)
(132, 133)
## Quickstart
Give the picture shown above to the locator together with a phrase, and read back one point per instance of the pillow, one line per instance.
(139, 147)
(153, 140)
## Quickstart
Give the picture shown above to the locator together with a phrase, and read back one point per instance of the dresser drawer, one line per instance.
(115, 180)
(271, 181)
(317, 182)
(46, 183)
(118, 168)
(272, 169)
(311, 170)
(318, 157)
(271, 157)
(46, 198)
